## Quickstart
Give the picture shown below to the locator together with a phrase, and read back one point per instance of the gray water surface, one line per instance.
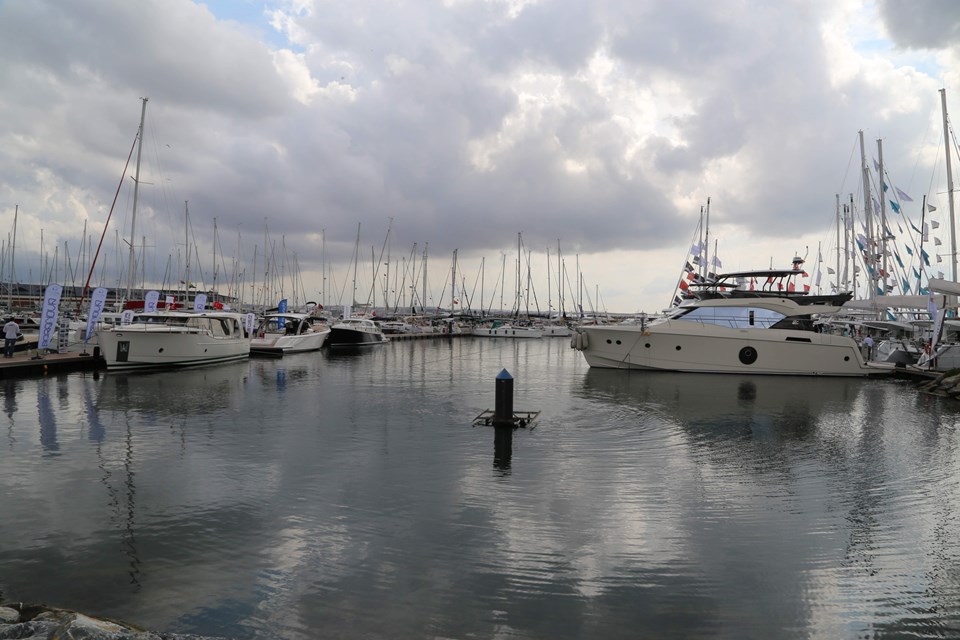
(347, 495)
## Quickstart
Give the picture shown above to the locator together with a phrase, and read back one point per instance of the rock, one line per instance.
(39, 622)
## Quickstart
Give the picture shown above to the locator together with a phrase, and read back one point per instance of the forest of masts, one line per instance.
(409, 283)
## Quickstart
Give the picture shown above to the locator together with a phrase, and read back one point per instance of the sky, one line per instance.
(597, 129)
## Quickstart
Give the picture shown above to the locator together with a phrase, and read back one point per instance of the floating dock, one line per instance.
(24, 364)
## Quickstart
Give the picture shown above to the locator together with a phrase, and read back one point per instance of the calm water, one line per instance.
(348, 496)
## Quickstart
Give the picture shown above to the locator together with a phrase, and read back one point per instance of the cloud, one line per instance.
(602, 125)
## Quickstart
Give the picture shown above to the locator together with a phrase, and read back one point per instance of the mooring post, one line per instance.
(503, 411)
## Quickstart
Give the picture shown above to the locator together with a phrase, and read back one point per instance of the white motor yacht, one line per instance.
(761, 335)
(166, 339)
(280, 333)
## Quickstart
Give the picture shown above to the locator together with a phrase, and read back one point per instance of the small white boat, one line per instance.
(355, 332)
(281, 333)
(169, 339)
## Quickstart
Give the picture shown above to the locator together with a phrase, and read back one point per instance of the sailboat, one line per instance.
(164, 339)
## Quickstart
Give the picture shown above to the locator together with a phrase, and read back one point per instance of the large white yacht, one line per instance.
(165, 339)
(762, 335)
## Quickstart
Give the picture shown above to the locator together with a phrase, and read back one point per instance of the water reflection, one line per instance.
(46, 418)
(192, 392)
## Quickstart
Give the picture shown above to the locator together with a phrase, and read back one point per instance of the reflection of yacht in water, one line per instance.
(707, 398)
(189, 392)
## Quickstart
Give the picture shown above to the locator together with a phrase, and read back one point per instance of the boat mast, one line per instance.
(706, 243)
(882, 234)
(186, 248)
(837, 290)
(946, 146)
(868, 215)
(131, 272)
(13, 245)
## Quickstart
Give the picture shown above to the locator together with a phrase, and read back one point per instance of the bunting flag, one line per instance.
(691, 276)
(909, 250)
(696, 259)
(695, 249)
(806, 288)
(939, 258)
(906, 286)
(804, 274)
(876, 165)
(715, 261)
(934, 224)
(925, 256)
(791, 287)
(926, 232)
(831, 271)
(902, 195)
(899, 227)
(930, 207)
(683, 285)
(899, 261)
(936, 242)
(894, 206)
(688, 267)
(914, 227)
(885, 187)
(916, 274)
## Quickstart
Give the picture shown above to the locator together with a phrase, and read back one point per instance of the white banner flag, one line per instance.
(150, 301)
(48, 317)
(250, 321)
(97, 300)
(200, 302)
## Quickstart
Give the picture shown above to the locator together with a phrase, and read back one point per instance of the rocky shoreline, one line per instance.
(946, 384)
(24, 621)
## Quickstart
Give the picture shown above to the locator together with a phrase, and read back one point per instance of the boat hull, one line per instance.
(131, 348)
(507, 331)
(282, 344)
(692, 347)
(344, 337)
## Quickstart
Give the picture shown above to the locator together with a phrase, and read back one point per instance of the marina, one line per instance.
(294, 497)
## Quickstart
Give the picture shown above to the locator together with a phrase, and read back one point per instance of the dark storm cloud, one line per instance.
(922, 24)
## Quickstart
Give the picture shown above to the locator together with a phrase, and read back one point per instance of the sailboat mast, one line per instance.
(946, 146)
(13, 246)
(136, 193)
(882, 234)
(870, 261)
(837, 290)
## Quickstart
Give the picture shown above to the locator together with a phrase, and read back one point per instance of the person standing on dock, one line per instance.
(10, 332)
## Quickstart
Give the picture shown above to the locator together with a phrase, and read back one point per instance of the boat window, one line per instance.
(735, 317)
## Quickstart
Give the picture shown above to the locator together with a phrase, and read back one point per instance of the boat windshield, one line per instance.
(734, 317)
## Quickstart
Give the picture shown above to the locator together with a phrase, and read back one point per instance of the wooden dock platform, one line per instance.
(24, 363)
